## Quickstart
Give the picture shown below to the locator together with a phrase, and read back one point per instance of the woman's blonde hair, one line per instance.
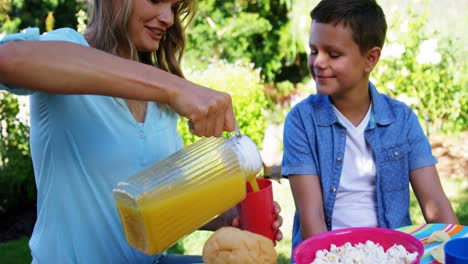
(108, 29)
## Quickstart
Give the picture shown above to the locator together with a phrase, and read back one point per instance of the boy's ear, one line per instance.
(372, 57)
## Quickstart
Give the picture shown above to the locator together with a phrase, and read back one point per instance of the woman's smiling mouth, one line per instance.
(155, 33)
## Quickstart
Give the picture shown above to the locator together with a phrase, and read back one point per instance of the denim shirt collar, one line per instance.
(382, 113)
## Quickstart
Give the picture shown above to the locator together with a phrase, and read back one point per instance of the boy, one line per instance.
(349, 151)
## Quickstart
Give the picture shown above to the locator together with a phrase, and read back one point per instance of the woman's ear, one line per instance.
(372, 57)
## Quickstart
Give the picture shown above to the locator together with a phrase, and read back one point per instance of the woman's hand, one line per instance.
(278, 222)
(210, 112)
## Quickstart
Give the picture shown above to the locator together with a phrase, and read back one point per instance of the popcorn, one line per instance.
(368, 253)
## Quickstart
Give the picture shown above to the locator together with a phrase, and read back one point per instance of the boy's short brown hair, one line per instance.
(365, 18)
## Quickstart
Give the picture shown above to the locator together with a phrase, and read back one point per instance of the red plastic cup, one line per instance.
(257, 212)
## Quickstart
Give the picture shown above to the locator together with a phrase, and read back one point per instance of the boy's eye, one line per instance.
(313, 52)
(155, 1)
(334, 55)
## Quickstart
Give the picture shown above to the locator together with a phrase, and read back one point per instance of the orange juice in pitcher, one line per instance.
(180, 194)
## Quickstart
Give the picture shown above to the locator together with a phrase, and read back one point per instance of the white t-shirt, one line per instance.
(355, 203)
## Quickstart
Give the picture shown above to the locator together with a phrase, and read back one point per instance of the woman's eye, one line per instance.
(177, 5)
(155, 1)
(313, 52)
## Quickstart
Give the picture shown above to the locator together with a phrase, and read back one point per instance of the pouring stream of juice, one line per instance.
(254, 185)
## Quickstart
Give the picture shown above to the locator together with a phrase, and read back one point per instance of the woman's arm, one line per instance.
(307, 193)
(434, 203)
(68, 68)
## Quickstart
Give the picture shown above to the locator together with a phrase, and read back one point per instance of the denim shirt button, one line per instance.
(339, 159)
(395, 153)
(332, 189)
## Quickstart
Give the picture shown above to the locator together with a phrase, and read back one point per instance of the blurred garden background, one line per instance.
(257, 50)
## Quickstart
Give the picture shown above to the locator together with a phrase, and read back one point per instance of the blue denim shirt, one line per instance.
(314, 144)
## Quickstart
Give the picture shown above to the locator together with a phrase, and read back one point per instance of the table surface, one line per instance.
(422, 232)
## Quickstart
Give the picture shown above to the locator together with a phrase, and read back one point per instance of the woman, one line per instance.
(85, 138)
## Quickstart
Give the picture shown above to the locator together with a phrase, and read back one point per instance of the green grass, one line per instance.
(17, 251)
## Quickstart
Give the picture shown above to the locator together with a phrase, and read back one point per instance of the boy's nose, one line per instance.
(320, 61)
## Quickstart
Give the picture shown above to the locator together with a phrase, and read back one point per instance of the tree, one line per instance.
(20, 14)
(254, 31)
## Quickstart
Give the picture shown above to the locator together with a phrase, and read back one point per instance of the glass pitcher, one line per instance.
(180, 194)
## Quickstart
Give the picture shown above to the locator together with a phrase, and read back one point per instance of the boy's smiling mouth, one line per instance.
(324, 77)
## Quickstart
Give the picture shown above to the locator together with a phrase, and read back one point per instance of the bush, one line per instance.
(17, 187)
(423, 69)
(244, 85)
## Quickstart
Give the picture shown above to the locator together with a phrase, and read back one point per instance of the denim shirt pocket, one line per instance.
(395, 167)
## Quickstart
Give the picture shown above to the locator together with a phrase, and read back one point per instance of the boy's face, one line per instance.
(335, 61)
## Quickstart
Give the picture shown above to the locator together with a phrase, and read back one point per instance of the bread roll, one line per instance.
(230, 245)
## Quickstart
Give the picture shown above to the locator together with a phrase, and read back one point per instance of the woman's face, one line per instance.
(149, 21)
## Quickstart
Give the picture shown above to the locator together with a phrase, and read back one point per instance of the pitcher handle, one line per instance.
(236, 132)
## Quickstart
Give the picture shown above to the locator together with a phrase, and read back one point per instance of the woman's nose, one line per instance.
(166, 16)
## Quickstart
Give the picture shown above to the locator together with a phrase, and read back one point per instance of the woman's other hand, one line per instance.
(276, 224)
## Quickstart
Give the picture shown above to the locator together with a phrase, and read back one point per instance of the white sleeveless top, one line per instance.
(355, 203)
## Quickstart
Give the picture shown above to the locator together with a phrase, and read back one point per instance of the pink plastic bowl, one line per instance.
(304, 253)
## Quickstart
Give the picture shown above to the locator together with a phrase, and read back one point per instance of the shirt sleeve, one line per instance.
(420, 154)
(298, 157)
(32, 34)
